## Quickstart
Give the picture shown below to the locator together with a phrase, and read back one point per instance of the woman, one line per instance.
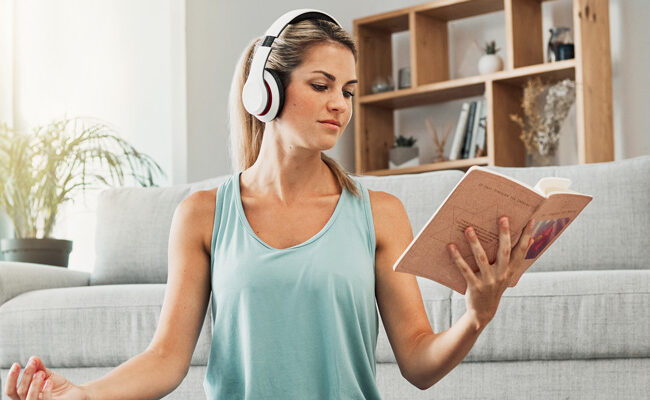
(295, 252)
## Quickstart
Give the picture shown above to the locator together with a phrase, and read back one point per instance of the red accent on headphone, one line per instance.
(268, 102)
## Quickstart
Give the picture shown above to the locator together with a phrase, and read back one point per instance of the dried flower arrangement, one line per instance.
(543, 114)
(439, 142)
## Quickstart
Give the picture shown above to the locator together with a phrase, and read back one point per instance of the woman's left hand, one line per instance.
(485, 287)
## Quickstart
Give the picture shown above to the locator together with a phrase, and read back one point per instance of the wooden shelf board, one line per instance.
(456, 164)
(448, 10)
(467, 87)
(552, 71)
(427, 94)
(393, 21)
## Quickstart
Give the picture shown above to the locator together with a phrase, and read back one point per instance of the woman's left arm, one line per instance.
(425, 357)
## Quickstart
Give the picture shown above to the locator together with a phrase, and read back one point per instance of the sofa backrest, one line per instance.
(610, 233)
(132, 231)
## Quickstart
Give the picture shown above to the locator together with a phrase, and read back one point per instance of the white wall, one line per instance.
(217, 35)
(120, 61)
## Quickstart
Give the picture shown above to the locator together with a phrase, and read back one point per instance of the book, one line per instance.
(468, 129)
(460, 130)
(482, 127)
(479, 199)
(475, 129)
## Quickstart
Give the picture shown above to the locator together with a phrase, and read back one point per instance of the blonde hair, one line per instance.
(289, 49)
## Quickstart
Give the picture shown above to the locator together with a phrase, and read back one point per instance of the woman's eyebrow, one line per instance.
(333, 78)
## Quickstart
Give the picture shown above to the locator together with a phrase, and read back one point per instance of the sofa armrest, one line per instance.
(19, 277)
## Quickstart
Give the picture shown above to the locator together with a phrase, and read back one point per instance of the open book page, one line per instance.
(551, 219)
(479, 199)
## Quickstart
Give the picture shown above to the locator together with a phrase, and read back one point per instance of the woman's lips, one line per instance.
(330, 125)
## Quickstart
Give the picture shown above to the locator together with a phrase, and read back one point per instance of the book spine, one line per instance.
(460, 129)
(482, 131)
(468, 129)
(477, 119)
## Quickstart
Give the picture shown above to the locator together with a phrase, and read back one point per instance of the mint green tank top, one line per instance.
(294, 323)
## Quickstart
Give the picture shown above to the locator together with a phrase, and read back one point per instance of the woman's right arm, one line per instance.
(159, 369)
(164, 364)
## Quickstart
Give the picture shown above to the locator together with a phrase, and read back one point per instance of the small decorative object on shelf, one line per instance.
(545, 108)
(439, 143)
(404, 154)
(382, 84)
(560, 46)
(404, 80)
(490, 61)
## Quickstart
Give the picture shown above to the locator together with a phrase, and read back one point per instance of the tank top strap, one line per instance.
(222, 191)
(367, 213)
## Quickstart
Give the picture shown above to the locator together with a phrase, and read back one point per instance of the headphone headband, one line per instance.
(257, 94)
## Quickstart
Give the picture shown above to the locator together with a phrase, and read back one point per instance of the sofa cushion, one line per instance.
(436, 299)
(421, 194)
(612, 231)
(567, 315)
(95, 326)
(133, 231)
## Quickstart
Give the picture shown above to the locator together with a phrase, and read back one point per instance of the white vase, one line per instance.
(489, 63)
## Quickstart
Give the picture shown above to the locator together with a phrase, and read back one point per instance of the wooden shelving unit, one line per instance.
(525, 53)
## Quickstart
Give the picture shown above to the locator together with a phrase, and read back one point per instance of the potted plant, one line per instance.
(490, 61)
(403, 154)
(42, 171)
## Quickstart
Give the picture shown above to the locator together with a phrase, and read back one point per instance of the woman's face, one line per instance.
(319, 90)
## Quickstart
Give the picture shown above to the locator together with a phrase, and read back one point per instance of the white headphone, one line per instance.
(263, 93)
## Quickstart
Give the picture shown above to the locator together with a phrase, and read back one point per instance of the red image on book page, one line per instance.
(543, 234)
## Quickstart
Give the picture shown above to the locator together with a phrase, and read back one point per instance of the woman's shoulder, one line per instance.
(387, 211)
(199, 208)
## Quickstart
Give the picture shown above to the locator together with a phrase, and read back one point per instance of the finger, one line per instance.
(36, 386)
(40, 366)
(47, 391)
(524, 243)
(479, 253)
(26, 379)
(12, 379)
(503, 252)
(465, 270)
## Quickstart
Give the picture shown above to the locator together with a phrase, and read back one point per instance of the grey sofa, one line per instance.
(576, 326)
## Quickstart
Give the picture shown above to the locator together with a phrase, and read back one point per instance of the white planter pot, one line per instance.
(489, 63)
(402, 157)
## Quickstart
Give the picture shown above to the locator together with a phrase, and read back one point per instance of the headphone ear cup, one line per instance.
(275, 102)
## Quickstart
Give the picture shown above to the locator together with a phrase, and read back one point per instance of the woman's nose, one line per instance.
(337, 103)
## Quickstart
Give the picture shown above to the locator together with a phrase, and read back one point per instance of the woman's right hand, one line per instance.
(32, 383)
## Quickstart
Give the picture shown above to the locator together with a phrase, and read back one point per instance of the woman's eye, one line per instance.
(321, 88)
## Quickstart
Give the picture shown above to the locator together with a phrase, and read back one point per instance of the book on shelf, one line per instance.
(479, 199)
(480, 105)
(468, 130)
(460, 131)
(482, 129)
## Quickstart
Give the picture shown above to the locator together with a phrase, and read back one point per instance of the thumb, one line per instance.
(47, 390)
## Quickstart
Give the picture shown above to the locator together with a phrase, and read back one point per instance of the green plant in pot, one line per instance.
(40, 172)
(404, 153)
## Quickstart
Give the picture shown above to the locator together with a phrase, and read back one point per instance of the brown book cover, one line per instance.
(479, 199)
